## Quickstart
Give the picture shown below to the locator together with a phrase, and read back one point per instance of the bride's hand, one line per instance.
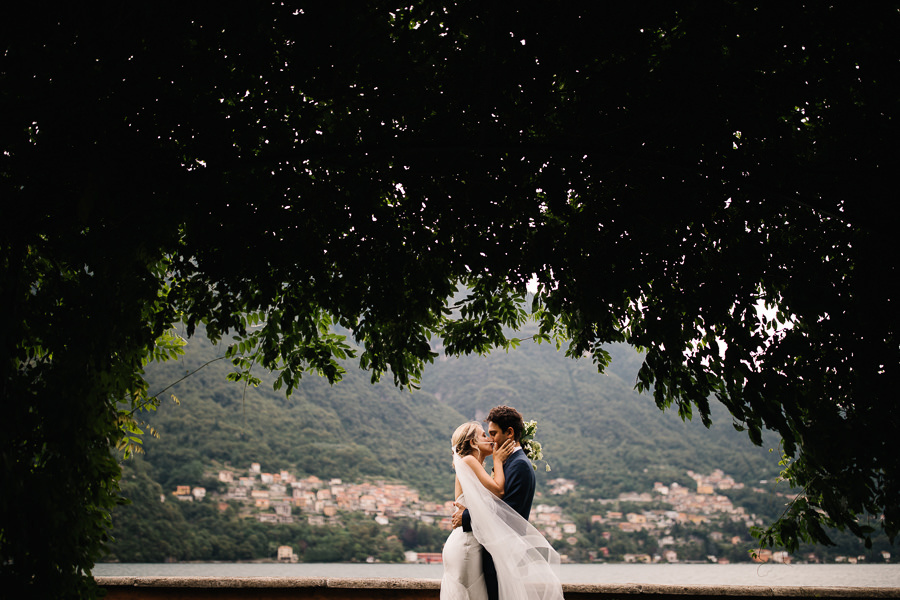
(456, 518)
(503, 452)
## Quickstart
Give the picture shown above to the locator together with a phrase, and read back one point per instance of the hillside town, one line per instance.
(281, 497)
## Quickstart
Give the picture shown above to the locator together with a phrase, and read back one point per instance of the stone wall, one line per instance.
(334, 588)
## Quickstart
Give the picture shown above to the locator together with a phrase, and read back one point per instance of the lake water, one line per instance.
(843, 575)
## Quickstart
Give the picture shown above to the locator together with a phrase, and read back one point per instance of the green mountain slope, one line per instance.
(595, 428)
(350, 430)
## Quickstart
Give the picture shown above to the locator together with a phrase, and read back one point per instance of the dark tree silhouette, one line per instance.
(662, 170)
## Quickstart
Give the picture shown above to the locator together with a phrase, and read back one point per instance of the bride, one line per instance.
(526, 564)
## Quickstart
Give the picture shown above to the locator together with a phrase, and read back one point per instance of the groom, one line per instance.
(505, 423)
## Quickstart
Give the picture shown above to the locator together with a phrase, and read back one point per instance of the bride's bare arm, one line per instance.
(491, 484)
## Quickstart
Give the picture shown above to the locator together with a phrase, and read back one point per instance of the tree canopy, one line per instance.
(662, 170)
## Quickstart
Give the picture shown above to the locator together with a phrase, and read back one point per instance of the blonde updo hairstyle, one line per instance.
(463, 437)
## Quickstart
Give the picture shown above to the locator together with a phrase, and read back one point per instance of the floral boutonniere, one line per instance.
(531, 446)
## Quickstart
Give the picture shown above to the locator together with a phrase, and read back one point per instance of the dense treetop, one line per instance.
(661, 170)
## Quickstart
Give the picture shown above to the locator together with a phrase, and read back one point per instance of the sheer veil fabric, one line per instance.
(527, 565)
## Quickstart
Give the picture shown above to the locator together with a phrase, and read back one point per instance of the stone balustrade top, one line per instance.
(346, 587)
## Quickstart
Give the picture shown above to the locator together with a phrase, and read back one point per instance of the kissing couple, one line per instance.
(493, 552)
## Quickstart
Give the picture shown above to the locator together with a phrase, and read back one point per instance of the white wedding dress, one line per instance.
(527, 565)
(463, 576)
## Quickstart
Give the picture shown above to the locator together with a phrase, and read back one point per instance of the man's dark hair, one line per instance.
(505, 417)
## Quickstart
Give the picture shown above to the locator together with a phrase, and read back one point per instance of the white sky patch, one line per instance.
(772, 327)
(768, 323)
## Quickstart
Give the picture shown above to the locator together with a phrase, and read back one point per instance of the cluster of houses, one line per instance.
(281, 498)
(702, 505)
(687, 507)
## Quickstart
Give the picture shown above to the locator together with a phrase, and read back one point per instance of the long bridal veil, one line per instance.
(527, 566)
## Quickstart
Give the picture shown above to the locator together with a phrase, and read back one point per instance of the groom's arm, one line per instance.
(466, 521)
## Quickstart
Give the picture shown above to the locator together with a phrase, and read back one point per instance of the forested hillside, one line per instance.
(350, 430)
(595, 428)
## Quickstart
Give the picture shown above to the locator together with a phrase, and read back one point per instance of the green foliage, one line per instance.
(661, 170)
(145, 529)
(418, 536)
(73, 352)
